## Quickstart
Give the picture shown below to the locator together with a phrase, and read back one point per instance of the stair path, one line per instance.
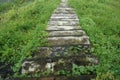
(65, 35)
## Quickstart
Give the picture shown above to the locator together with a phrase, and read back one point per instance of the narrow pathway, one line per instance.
(64, 27)
(68, 44)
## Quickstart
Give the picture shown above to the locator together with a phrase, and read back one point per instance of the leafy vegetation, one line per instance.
(101, 21)
(22, 29)
(79, 70)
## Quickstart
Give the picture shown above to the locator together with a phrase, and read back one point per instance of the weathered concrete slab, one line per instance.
(62, 27)
(55, 51)
(64, 8)
(64, 16)
(62, 19)
(63, 5)
(54, 64)
(71, 40)
(67, 33)
(81, 77)
(63, 23)
(64, 11)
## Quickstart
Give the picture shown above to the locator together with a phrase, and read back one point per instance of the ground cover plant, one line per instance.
(22, 30)
(101, 20)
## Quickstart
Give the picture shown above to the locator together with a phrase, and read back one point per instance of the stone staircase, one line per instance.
(68, 44)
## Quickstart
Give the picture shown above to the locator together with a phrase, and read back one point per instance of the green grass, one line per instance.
(101, 21)
(5, 6)
(22, 30)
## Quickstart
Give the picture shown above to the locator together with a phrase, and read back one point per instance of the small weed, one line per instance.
(79, 70)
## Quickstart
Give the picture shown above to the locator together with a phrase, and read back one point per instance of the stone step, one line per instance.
(64, 8)
(67, 33)
(63, 23)
(62, 27)
(62, 19)
(64, 12)
(67, 10)
(81, 77)
(53, 51)
(63, 5)
(54, 64)
(64, 16)
(70, 40)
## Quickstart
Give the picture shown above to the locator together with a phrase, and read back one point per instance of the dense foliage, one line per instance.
(101, 20)
(22, 29)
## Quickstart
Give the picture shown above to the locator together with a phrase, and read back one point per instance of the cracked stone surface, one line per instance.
(67, 33)
(62, 28)
(69, 40)
(64, 31)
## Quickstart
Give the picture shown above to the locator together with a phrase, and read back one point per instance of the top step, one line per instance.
(64, 11)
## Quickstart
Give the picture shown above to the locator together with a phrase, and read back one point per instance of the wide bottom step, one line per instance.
(55, 64)
(82, 77)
